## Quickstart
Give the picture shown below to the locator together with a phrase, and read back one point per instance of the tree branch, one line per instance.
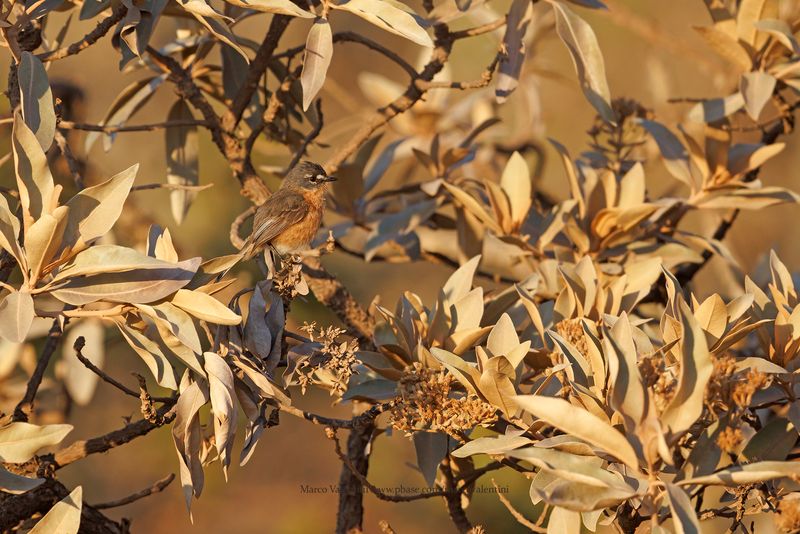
(106, 442)
(117, 13)
(257, 69)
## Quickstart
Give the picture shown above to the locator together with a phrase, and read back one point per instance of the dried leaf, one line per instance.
(741, 475)
(517, 21)
(580, 423)
(676, 157)
(716, 109)
(516, 183)
(756, 88)
(34, 181)
(64, 517)
(16, 315)
(695, 371)
(279, 7)
(16, 484)
(220, 382)
(317, 58)
(9, 232)
(581, 42)
(390, 15)
(683, 514)
(20, 441)
(205, 307)
(37, 99)
(94, 210)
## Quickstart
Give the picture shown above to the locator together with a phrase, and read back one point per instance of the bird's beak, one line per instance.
(330, 178)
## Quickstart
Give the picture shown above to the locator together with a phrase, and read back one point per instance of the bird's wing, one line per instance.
(281, 210)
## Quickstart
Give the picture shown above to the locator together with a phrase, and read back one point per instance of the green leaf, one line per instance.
(16, 315)
(64, 517)
(317, 58)
(390, 15)
(581, 42)
(580, 423)
(37, 99)
(20, 441)
(182, 147)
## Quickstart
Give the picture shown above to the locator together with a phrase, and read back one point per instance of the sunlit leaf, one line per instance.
(16, 315)
(20, 441)
(756, 88)
(391, 15)
(64, 517)
(517, 21)
(318, 55)
(581, 42)
(37, 99)
(580, 423)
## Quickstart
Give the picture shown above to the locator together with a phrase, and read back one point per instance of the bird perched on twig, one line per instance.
(289, 219)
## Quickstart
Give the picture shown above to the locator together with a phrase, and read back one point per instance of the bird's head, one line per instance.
(307, 175)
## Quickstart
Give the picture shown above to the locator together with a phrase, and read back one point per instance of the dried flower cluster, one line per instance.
(427, 401)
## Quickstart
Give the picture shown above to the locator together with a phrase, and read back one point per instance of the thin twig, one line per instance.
(352, 37)
(483, 81)
(25, 406)
(479, 30)
(157, 487)
(72, 163)
(257, 69)
(182, 187)
(521, 519)
(308, 139)
(79, 345)
(68, 125)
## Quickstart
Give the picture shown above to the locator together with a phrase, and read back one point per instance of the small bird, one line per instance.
(289, 219)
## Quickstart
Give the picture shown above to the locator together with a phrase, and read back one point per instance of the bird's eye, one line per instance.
(311, 178)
